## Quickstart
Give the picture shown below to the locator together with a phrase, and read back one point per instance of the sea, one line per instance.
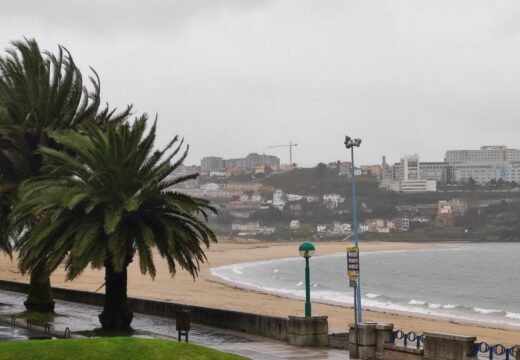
(475, 282)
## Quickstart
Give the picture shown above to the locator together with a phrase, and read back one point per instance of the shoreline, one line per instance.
(211, 291)
(420, 315)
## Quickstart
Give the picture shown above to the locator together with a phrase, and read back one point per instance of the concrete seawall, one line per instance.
(266, 326)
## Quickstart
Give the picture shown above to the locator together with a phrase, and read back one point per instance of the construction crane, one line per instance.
(290, 146)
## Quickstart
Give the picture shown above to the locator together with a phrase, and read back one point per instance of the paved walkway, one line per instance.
(81, 318)
(266, 350)
(13, 333)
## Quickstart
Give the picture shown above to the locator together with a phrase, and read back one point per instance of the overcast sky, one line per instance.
(236, 76)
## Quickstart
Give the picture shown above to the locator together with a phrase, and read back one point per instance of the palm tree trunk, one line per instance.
(116, 313)
(40, 291)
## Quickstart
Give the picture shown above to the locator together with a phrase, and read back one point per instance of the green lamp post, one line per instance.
(307, 251)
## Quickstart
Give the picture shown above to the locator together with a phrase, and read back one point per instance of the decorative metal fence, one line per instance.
(494, 352)
(404, 339)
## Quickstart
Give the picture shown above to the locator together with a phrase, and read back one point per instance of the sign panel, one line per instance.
(353, 262)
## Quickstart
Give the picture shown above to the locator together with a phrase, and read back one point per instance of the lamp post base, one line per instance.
(310, 331)
(308, 311)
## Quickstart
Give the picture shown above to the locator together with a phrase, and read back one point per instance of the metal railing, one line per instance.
(497, 351)
(411, 337)
(30, 325)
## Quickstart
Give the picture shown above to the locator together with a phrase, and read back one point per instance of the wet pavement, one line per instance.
(81, 318)
(13, 333)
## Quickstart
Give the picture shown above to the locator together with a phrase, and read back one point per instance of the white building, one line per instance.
(335, 228)
(488, 163)
(294, 197)
(438, 171)
(418, 186)
(251, 226)
(483, 173)
(486, 154)
(294, 225)
(338, 227)
(240, 214)
(278, 200)
(268, 230)
(210, 187)
(332, 201)
(219, 174)
(409, 169)
(407, 176)
(414, 186)
(444, 207)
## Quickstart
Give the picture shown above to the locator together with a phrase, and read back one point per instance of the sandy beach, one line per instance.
(208, 290)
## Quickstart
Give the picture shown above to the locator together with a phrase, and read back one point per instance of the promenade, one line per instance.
(82, 320)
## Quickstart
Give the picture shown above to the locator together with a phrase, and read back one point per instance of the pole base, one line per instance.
(310, 331)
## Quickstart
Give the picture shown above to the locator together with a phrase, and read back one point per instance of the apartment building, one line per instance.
(486, 154)
(211, 163)
(484, 165)
(439, 171)
(409, 169)
(410, 176)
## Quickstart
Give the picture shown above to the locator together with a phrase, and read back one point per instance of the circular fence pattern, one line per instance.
(498, 349)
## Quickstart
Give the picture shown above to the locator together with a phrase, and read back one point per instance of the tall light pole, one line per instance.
(350, 143)
(307, 251)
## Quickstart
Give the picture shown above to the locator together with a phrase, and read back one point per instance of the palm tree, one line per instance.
(109, 203)
(39, 92)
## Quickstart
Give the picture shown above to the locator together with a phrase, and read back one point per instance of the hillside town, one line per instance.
(250, 204)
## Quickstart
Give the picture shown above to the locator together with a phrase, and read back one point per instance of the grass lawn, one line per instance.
(119, 348)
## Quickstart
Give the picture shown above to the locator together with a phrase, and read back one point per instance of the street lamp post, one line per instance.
(307, 251)
(350, 143)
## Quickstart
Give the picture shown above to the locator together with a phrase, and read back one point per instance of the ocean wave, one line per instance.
(372, 296)
(416, 302)
(486, 311)
(450, 307)
(513, 315)
(299, 283)
(436, 249)
(237, 269)
(434, 306)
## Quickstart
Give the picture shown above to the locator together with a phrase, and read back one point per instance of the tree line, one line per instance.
(84, 185)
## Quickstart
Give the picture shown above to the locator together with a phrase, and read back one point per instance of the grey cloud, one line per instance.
(99, 17)
(237, 76)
